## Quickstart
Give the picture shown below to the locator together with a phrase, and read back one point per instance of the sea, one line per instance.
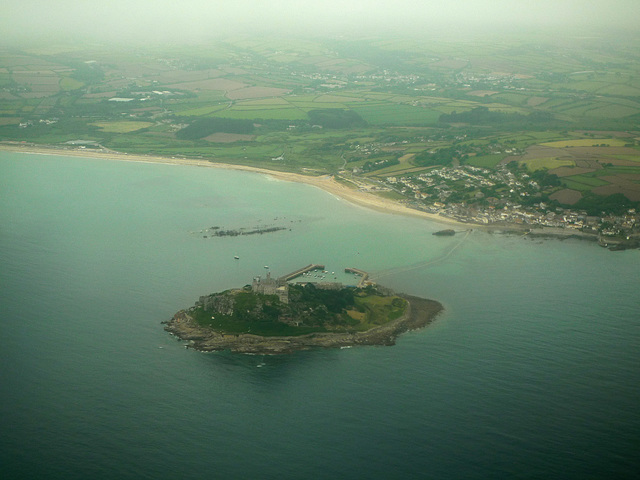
(531, 372)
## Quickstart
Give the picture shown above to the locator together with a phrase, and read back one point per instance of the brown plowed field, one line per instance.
(631, 194)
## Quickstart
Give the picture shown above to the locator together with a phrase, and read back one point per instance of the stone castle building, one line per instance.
(271, 286)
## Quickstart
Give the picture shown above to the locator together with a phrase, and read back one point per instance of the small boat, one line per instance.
(266, 266)
(236, 257)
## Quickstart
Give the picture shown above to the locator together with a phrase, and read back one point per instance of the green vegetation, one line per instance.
(379, 108)
(206, 126)
(309, 309)
(121, 127)
(596, 204)
(484, 116)
(546, 163)
(336, 118)
(484, 161)
(588, 142)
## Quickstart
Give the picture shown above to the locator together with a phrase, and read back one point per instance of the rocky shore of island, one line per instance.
(420, 312)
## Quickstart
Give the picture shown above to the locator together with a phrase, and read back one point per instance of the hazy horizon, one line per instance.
(192, 20)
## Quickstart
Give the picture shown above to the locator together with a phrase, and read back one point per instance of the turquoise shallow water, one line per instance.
(531, 372)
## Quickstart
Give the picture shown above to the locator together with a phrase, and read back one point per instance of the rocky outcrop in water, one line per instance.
(445, 233)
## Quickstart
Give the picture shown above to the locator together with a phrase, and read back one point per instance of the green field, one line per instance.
(547, 163)
(575, 95)
(345, 309)
(397, 114)
(582, 183)
(484, 161)
(68, 83)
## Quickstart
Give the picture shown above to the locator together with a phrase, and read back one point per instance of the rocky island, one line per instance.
(272, 316)
(445, 233)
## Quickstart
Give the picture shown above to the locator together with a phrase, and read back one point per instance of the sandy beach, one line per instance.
(325, 182)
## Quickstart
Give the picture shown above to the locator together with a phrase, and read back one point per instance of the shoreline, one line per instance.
(421, 312)
(324, 182)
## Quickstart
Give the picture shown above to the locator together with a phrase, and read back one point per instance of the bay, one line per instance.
(531, 371)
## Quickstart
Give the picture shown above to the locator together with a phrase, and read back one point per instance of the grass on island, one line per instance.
(379, 310)
(234, 326)
(347, 310)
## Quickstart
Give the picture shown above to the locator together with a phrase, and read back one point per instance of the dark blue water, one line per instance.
(531, 372)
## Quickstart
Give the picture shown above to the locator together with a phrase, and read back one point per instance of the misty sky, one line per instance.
(192, 19)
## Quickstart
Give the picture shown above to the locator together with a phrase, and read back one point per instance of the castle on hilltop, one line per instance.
(271, 286)
(280, 287)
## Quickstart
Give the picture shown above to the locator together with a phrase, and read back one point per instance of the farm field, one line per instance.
(546, 163)
(373, 107)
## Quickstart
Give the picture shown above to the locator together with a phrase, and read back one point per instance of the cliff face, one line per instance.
(419, 313)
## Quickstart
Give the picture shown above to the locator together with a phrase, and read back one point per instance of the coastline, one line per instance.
(421, 312)
(324, 182)
(328, 184)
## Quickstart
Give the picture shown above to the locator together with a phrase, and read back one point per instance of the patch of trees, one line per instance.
(66, 128)
(546, 179)
(616, 204)
(335, 118)
(88, 73)
(484, 116)
(334, 300)
(372, 166)
(531, 200)
(443, 156)
(101, 110)
(206, 126)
